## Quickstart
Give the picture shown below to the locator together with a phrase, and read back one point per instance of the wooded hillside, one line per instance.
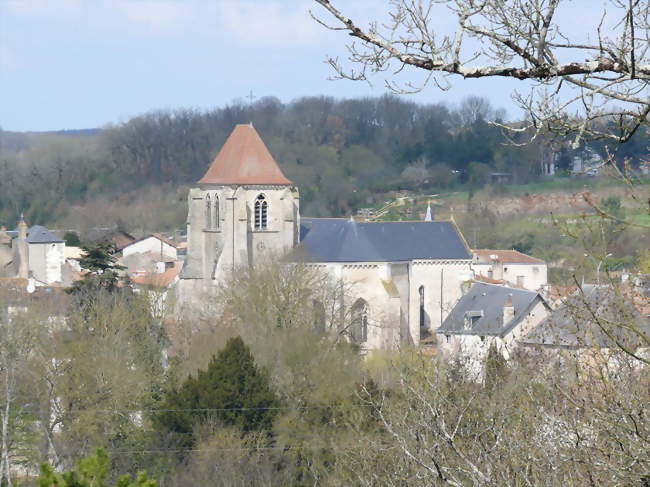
(343, 154)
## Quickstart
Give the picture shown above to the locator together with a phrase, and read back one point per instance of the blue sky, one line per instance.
(68, 64)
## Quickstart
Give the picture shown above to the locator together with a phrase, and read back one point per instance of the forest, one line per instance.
(343, 155)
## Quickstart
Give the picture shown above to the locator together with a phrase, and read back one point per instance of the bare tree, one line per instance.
(593, 84)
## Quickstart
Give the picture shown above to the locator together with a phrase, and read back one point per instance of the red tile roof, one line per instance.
(244, 159)
(158, 280)
(481, 277)
(506, 256)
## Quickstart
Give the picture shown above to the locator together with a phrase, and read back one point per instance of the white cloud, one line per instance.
(269, 22)
(157, 16)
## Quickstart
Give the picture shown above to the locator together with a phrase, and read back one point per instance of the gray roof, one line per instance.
(595, 317)
(37, 234)
(487, 301)
(40, 234)
(341, 240)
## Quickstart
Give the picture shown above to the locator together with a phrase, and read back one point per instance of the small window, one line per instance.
(422, 314)
(490, 273)
(359, 325)
(520, 281)
(320, 325)
(216, 212)
(261, 213)
(208, 211)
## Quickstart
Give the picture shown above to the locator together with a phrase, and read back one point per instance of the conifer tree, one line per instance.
(103, 271)
(232, 391)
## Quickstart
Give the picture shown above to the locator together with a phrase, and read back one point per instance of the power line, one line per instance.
(270, 408)
(242, 448)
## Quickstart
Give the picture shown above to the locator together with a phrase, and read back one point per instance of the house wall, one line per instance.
(535, 276)
(45, 262)
(150, 244)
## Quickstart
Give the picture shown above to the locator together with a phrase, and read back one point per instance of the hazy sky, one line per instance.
(67, 64)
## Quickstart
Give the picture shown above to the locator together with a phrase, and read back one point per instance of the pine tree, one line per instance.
(103, 271)
(233, 391)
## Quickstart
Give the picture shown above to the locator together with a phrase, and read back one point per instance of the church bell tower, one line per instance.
(243, 210)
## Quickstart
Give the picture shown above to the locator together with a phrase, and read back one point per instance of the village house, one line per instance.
(595, 316)
(154, 243)
(487, 315)
(33, 253)
(510, 267)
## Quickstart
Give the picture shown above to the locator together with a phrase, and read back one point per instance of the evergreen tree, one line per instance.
(232, 391)
(72, 239)
(103, 271)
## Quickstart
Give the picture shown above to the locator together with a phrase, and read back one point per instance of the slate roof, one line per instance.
(40, 234)
(244, 159)
(573, 324)
(488, 300)
(341, 240)
(37, 234)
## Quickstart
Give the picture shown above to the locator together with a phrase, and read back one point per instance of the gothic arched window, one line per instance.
(261, 213)
(208, 211)
(216, 212)
(319, 317)
(422, 315)
(359, 326)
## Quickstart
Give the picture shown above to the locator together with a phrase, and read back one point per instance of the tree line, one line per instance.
(343, 154)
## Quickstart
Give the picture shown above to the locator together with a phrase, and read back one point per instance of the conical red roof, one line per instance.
(244, 159)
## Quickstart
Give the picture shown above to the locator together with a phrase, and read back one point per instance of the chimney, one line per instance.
(497, 267)
(508, 310)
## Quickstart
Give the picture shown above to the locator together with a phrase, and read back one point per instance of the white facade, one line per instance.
(511, 267)
(46, 261)
(153, 244)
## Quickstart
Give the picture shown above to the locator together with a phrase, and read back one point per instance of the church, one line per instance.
(405, 277)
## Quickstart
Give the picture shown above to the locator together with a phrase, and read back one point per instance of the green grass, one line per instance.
(639, 219)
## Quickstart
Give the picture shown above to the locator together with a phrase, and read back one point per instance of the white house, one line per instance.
(510, 267)
(154, 244)
(32, 252)
(490, 314)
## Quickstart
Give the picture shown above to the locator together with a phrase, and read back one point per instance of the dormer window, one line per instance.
(471, 319)
(261, 213)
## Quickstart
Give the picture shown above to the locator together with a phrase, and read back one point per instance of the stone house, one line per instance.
(490, 314)
(32, 252)
(510, 267)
